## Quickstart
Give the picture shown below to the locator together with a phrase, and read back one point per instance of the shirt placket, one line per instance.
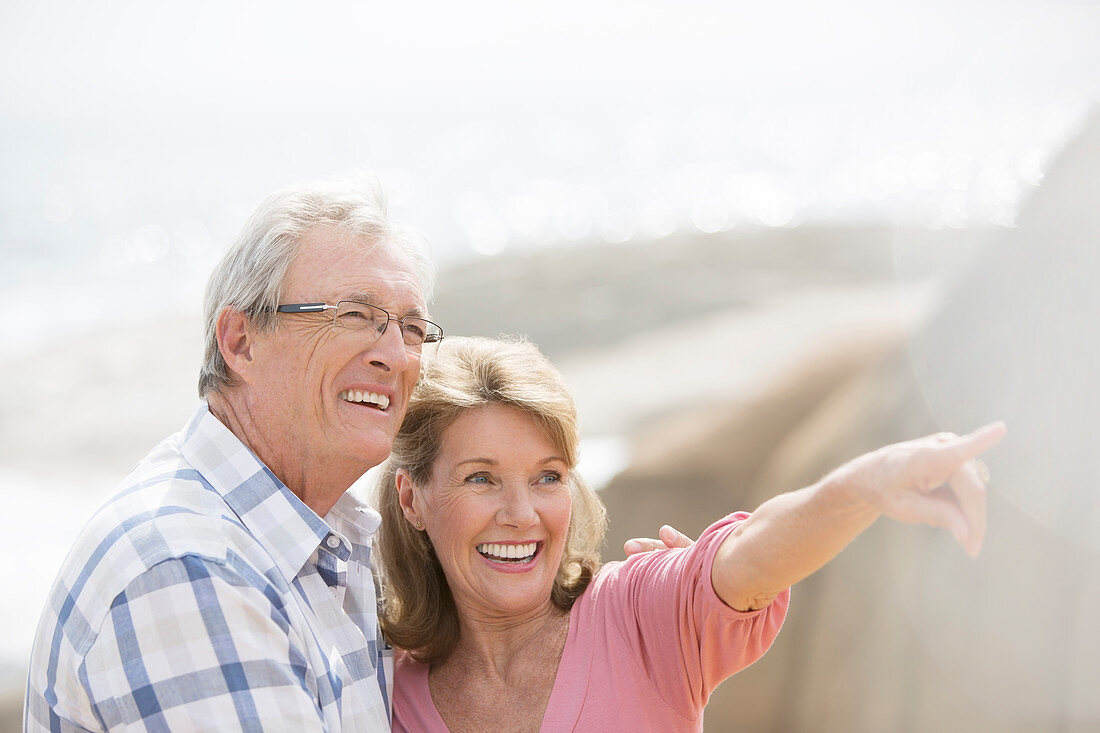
(332, 565)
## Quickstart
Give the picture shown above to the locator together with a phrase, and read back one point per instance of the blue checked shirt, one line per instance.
(205, 596)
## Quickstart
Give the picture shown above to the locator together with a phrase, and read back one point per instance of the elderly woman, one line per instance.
(495, 592)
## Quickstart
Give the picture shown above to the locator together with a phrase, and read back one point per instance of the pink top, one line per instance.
(648, 641)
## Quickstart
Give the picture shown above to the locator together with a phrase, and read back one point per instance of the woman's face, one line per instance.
(497, 511)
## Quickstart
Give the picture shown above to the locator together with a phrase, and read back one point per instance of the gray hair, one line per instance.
(250, 275)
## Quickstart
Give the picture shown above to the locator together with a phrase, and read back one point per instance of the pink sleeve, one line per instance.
(688, 639)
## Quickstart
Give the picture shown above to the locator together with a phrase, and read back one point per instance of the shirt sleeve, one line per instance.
(196, 644)
(688, 639)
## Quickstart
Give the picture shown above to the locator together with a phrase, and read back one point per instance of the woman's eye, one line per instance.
(477, 478)
(550, 478)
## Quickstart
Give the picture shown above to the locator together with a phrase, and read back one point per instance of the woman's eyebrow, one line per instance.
(491, 462)
(486, 461)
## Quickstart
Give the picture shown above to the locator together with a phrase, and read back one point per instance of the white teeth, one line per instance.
(355, 395)
(508, 552)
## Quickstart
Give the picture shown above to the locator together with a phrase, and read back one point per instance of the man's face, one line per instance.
(305, 375)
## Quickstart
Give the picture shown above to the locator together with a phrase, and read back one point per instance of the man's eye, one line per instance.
(353, 315)
(415, 329)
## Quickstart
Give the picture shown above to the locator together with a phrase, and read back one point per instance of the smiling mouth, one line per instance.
(508, 553)
(370, 399)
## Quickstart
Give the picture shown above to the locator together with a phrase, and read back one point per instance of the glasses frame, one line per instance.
(298, 308)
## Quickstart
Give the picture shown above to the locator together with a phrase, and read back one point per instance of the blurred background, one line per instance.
(758, 239)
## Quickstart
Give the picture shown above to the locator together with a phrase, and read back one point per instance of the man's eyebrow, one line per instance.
(363, 296)
(372, 298)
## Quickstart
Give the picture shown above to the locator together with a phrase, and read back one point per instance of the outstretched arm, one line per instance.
(932, 480)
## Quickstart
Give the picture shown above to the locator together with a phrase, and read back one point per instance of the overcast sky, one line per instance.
(498, 122)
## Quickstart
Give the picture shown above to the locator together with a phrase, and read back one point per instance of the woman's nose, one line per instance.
(518, 509)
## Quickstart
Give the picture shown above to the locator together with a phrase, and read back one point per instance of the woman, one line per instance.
(493, 585)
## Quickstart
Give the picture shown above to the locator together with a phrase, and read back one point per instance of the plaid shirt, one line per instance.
(204, 595)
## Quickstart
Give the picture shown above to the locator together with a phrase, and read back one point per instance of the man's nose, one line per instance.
(388, 351)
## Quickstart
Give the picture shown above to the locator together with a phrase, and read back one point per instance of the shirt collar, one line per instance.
(279, 520)
(356, 520)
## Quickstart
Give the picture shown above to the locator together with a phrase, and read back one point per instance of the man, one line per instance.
(227, 584)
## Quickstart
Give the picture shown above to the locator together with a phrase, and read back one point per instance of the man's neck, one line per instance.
(317, 482)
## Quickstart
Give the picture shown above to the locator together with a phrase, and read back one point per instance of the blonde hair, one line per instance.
(419, 614)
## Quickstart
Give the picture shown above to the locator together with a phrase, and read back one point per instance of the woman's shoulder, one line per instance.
(660, 566)
(413, 709)
(406, 663)
(410, 676)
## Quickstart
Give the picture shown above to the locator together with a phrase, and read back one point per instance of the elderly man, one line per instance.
(227, 584)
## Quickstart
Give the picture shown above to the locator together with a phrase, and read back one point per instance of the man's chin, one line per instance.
(365, 443)
(371, 449)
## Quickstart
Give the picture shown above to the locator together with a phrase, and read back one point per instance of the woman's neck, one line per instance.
(501, 674)
(494, 646)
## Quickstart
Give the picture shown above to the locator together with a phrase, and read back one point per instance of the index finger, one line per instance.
(642, 544)
(670, 539)
(979, 441)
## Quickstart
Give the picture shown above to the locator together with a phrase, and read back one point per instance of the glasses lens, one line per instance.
(415, 332)
(418, 331)
(360, 317)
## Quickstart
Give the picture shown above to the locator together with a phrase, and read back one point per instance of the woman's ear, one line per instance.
(407, 496)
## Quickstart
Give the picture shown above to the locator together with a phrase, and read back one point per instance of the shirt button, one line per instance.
(333, 541)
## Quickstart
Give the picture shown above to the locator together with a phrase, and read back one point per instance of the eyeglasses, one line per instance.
(351, 315)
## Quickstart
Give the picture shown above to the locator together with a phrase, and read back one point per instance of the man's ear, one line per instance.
(406, 496)
(235, 340)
